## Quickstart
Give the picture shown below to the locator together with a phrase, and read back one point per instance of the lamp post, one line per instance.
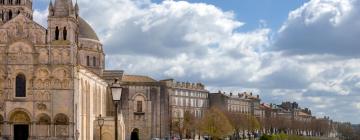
(77, 134)
(116, 96)
(100, 121)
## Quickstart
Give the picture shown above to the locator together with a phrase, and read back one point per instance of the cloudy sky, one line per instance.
(306, 51)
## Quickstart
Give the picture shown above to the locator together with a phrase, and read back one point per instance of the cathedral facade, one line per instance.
(51, 78)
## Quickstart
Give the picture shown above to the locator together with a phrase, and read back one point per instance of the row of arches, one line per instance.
(22, 124)
(21, 117)
(10, 2)
(9, 14)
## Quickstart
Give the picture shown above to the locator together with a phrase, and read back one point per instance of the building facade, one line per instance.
(244, 103)
(185, 97)
(51, 84)
(142, 107)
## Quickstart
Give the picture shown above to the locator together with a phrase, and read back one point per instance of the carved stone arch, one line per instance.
(47, 84)
(61, 119)
(56, 83)
(43, 119)
(65, 84)
(19, 116)
(61, 122)
(39, 84)
(43, 122)
(61, 73)
(138, 94)
(23, 46)
(42, 73)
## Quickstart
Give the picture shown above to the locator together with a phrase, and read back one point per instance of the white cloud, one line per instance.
(201, 43)
(40, 16)
(322, 27)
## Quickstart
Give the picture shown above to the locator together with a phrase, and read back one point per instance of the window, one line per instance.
(64, 33)
(139, 106)
(10, 15)
(94, 61)
(57, 33)
(87, 60)
(20, 86)
(18, 2)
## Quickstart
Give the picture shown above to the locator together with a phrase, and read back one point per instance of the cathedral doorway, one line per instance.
(20, 121)
(135, 134)
(21, 132)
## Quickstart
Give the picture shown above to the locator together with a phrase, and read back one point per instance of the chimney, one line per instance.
(231, 94)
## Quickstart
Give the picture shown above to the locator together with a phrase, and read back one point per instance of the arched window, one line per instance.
(94, 61)
(139, 105)
(10, 15)
(20, 86)
(64, 33)
(18, 2)
(87, 60)
(57, 33)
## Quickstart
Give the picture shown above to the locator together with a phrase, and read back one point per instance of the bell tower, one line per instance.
(63, 22)
(11, 8)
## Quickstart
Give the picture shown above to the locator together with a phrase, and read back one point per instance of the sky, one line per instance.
(284, 50)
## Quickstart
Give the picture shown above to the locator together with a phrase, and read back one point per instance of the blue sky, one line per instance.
(274, 12)
(284, 50)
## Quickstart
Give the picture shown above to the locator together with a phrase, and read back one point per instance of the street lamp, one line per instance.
(77, 134)
(116, 96)
(100, 121)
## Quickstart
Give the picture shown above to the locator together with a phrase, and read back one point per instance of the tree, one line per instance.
(184, 126)
(216, 124)
(238, 121)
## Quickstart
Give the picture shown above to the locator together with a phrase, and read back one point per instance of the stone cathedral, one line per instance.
(51, 78)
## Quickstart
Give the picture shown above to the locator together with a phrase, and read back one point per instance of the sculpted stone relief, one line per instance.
(61, 56)
(19, 117)
(20, 53)
(43, 56)
(3, 36)
(56, 57)
(22, 28)
(42, 96)
(41, 106)
(66, 57)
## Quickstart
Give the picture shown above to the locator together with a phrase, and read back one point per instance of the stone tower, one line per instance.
(62, 22)
(10, 8)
